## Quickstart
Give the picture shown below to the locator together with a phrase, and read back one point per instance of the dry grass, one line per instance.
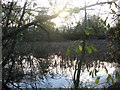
(45, 49)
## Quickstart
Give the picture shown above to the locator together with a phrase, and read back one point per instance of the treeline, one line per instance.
(96, 30)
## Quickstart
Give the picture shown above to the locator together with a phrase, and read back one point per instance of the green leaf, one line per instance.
(109, 78)
(117, 75)
(93, 48)
(113, 81)
(89, 50)
(89, 28)
(16, 19)
(97, 80)
(68, 52)
(87, 32)
(108, 26)
(78, 49)
(113, 11)
(106, 70)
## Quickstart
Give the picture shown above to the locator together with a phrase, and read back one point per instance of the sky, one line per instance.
(102, 11)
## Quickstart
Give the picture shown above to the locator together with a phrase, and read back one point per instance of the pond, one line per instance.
(59, 73)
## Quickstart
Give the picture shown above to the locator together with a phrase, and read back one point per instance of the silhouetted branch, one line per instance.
(23, 13)
(96, 4)
(16, 31)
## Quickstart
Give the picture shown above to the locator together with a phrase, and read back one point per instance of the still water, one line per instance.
(59, 73)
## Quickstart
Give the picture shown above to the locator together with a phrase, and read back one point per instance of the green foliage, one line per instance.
(89, 28)
(93, 47)
(90, 48)
(87, 32)
(97, 80)
(95, 29)
(113, 11)
(117, 75)
(68, 52)
(78, 49)
(114, 33)
(113, 82)
(109, 78)
(108, 26)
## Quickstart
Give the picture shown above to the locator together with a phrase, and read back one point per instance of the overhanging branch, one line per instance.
(16, 31)
(96, 4)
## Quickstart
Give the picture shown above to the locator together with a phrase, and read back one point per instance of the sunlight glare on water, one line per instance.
(62, 76)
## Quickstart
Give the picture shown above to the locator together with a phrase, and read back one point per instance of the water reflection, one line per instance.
(55, 72)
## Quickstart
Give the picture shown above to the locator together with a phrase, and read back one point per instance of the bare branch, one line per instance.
(8, 17)
(96, 4)
(46, 18)
(16, 31)
(19, 23)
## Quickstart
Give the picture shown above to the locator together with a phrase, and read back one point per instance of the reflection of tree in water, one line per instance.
(61, 66)
(29, 67)
(18, 62)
